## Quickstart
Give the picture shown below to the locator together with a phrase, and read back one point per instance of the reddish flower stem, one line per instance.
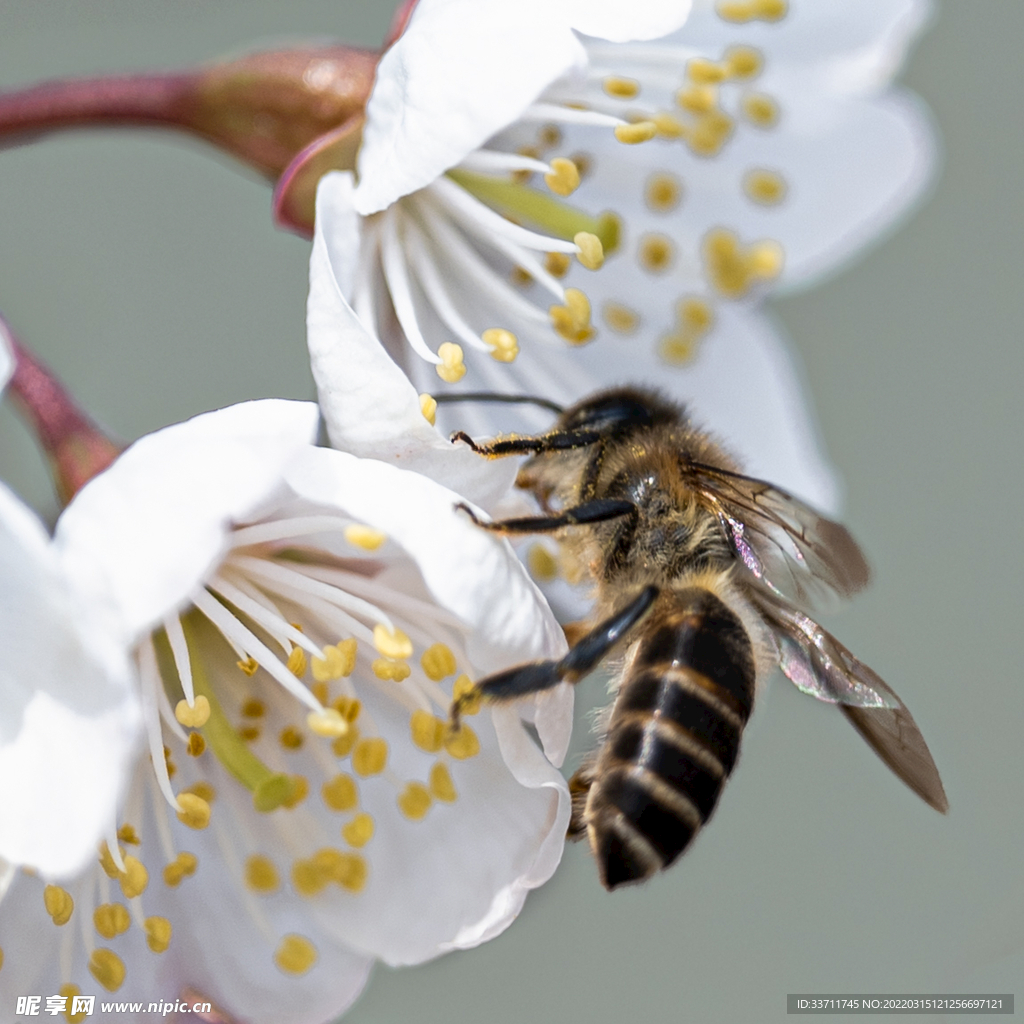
(75, 446)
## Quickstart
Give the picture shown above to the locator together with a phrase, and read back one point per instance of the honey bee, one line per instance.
(704, 581)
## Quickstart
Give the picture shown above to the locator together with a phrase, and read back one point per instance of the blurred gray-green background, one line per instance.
(146, 271)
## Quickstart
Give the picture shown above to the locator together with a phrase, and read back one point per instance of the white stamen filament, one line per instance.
(481, 221)
(179, 651)
(254, 647)
(393, 262)
(274, 624)
(300, 583)
(255, 594)
(570, 115)
(490, 160)
(466, 259)
(149, 678)
(163, 825)
(282, 529)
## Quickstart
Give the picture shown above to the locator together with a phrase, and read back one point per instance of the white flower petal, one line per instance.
(464, 69)
(368, 404)
(140, 536)
(69, 719)
(469, 571)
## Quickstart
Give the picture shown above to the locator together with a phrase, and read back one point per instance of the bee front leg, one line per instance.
(597, 511)
(543, 675)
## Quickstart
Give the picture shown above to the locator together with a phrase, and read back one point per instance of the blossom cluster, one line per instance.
(234, 769)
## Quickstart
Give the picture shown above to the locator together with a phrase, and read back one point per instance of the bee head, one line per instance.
(621, 411)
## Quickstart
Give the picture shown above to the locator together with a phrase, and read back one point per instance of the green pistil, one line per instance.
(541, 211)
(269, 789)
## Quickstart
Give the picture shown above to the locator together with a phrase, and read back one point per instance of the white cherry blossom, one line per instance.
(292, 805)
(550, 205)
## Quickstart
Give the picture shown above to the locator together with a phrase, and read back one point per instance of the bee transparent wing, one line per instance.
(786, 545)
(818, 664)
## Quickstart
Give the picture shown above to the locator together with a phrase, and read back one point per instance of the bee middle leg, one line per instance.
(579, 790)
(581, 659)
(597, 511)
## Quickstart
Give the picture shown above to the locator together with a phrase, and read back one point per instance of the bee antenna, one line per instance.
(495, 396)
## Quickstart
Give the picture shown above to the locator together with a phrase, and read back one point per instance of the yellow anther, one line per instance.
(564, 177)
(59, 904)
(1, 959)
(136, 877)
(702, 71)
(698, 99)
(641, 131)
(359, 831)
(343, 745)
(338, 661)
(111, 919)
(733, 268)
(656, 253)
(248, 666)
(520, 276)
(572, 321)
(328, 723)
(391, 645)
(590, 251)
(298, 790)
(193, 717)
(158, 933)
(663, 192)
(308, 877)
(249, 733)
(110, 868)
(533, 153)
(438, 662)
(350, 872)
(260, 874)
(621, 88)
(760, 110)
(320, 691)
(620, 319)
(107, 968)
(743, 62)
(196, 744)
(202, 789)
(557, 264)
(504, 344)
(69, 992)
(370, 756)
(710, 133)
(466, 692)
(127, 834)
(696, 315)
(297, 662)
(340, 793)
(365, 537)
(549, 135)
(290, 738)
(295, 954)
(253, 708)
(540, 561)
(195, 811)
(677, 348)
(414, 801)
(183, 866)
(441, 786)
(739, 11)
(462, 744)
(428, 406)
(764, 187)
(348, 708)
(427, 731)
(451, 369)
(669, 126)
(390, 671)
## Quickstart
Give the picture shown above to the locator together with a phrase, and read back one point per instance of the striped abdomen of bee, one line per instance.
(673, 737)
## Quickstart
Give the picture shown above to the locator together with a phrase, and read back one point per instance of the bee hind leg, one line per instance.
(581, 659)
(579, 790)
(597, 511)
